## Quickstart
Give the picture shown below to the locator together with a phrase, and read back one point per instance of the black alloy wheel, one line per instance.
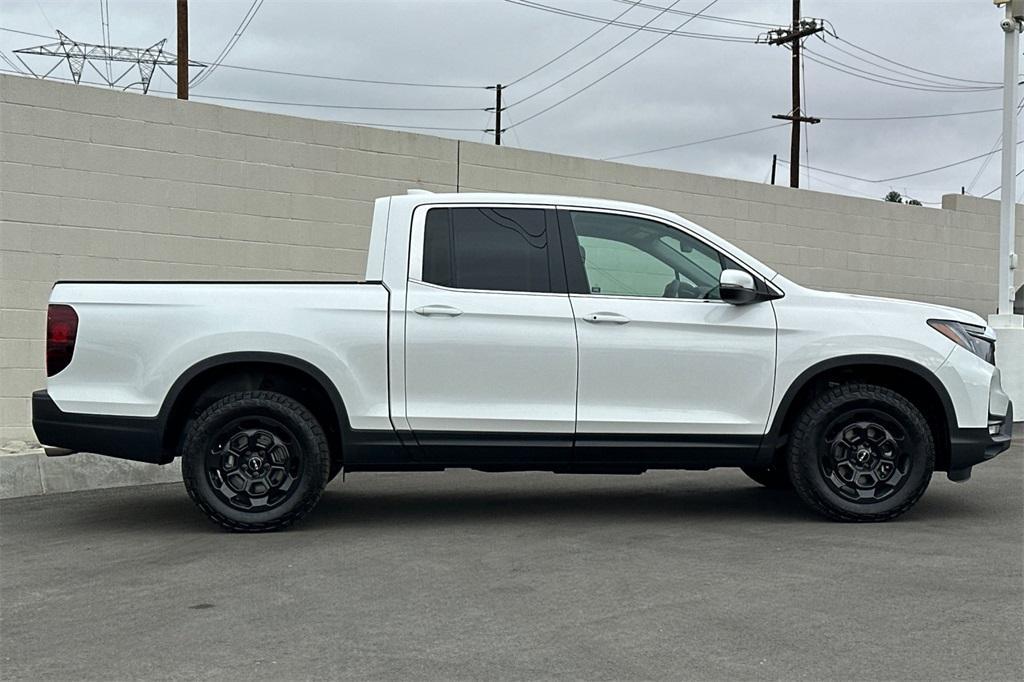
(860, 452)
(255, 461)
(250, 466)
(864, 459)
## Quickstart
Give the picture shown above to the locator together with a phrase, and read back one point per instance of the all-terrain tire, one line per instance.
(273, 429)
(774, 476)
(821, 436)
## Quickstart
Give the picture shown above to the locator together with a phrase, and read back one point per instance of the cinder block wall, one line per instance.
(97, 184)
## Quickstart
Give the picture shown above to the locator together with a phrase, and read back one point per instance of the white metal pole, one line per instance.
(1008, 208)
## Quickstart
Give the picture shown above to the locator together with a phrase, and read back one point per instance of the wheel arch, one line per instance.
(211, 378)
(917, 383)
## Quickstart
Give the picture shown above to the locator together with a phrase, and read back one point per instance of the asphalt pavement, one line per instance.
(459, 575)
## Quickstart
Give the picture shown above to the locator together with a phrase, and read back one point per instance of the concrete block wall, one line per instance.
(97, 184)
(103, 185)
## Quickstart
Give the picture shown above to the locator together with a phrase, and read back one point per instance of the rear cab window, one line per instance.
(497, 248)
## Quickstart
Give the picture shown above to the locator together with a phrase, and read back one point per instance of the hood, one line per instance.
(918, 308)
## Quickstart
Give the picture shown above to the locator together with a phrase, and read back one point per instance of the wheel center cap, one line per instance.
(863, 455)
(254, 463)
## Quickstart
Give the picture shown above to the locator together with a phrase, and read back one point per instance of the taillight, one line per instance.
(61, 332)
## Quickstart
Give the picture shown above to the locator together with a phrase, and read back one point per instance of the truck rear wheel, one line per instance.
(861, 452)
(255, 461)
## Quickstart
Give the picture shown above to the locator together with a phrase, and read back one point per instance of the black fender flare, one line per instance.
(771, 438)
(262, 357)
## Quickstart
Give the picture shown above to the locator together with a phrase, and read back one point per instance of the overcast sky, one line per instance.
(684, 89)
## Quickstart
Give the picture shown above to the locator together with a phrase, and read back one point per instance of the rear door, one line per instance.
(490, 340)
(666, 368)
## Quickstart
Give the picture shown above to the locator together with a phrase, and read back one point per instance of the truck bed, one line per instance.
(135, 339)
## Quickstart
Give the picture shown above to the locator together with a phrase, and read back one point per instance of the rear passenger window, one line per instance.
(495, 249)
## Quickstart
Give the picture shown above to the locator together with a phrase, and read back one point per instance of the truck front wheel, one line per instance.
(860, 452)
(255, 461)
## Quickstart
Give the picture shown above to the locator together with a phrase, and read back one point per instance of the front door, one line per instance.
(663, 362)
(490, 337)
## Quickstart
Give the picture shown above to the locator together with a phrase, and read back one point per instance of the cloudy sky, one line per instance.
(684, 89)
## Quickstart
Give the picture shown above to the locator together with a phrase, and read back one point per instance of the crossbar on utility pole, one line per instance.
(182, 49)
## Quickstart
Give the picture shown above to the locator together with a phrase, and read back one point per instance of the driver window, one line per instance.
(627, 256)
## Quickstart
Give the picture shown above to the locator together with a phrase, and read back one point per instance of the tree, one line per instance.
(896, 198)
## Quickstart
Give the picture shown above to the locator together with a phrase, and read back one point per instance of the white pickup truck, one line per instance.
(509, 332)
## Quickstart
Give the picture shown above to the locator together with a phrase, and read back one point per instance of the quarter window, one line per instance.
(498, 249)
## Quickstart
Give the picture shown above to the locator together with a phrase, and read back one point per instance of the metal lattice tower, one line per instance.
(78, 54)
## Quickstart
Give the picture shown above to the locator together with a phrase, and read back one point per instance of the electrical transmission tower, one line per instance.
(793, 35)
(78, 54)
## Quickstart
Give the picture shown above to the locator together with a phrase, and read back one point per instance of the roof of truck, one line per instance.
(419, 197)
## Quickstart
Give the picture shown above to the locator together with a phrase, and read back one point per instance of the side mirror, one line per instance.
(738, 287)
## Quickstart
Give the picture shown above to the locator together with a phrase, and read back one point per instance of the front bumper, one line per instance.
(135, 438)
(968, 447)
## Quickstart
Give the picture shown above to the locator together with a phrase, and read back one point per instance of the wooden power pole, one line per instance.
(497, 114)
(799, 30)
(182, 49)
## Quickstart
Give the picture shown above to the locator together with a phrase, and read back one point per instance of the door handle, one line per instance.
(612, 318)
(440, 310)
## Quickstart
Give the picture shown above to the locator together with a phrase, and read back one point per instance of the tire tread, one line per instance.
(191, 472)
(805, 422)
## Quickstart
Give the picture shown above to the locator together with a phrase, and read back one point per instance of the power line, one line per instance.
(580, 68)
(250, 14)
(995, 146)
(896, 85)
(726, 20)
(26, 33)
(695, 142)
(43, 12)
(360, 123)
(900, 177)
(306, 75)
(617, 68)
(623, 24)
(14, 66)
(999, 187)
(318, 105)
(353, 80)
(911, 75)
(552, 61)
(918, 84)
(905, 66)
(909, 116)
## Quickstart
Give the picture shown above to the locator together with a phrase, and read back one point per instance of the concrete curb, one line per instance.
(33, 473)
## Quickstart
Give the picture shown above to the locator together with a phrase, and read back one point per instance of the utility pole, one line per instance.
(182, 49)
(1009, 328)
(1011, 26)
(800, 29)
(497, 114)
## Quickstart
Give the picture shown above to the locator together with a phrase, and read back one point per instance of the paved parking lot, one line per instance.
(467, 575)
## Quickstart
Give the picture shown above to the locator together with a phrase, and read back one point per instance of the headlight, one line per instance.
(969, 336)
